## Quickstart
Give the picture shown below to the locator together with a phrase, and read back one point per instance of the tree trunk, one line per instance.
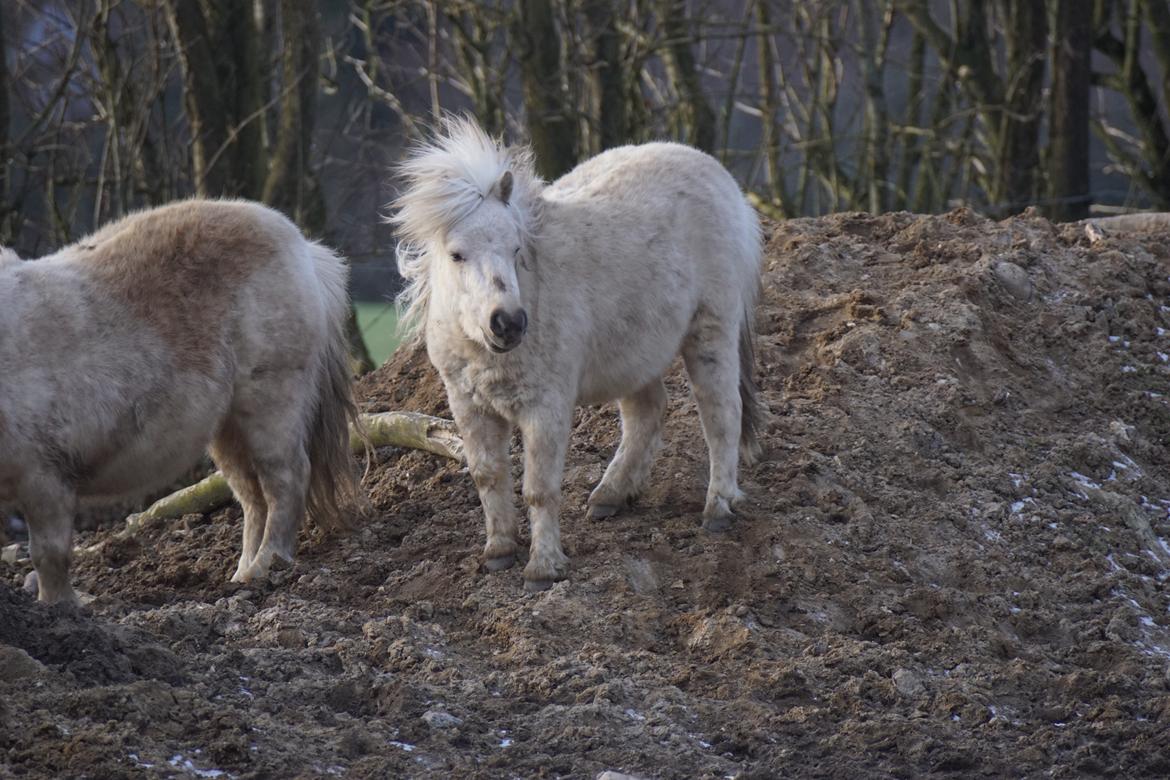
(5, 117)
(877, 154)
(204, 103)
(1018, 158)
(1068, 130)
(769, 135)
(291, 184)
(1158, 20)
(249, 156)
(550, 118)
(698, 118)
(1132, 82)
(912, 160)
(362, 362)
(608, 72)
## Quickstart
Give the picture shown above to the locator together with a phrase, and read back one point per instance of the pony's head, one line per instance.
(464, 222)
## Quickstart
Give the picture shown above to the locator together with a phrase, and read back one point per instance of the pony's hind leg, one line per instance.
(276, 434)
(230, 452)
(712, 360)
(485, 442)
(642, 414)
(50, 506)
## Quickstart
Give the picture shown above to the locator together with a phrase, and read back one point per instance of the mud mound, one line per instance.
(87, 651)
(405, 381)
(953, 560)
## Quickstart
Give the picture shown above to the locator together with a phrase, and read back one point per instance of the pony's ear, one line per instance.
(505, 187)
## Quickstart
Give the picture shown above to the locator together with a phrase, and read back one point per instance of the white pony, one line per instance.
(123, 356)
(534, 299)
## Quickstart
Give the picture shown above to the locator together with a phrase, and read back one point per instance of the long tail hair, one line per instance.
(334, 489)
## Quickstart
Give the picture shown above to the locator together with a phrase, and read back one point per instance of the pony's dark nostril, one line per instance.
(508, 326)
(499, 322)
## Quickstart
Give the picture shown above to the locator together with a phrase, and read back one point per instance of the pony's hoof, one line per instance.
(602, 511)
(500, 563)
(720, 523)
(540, 575)
(32, 586)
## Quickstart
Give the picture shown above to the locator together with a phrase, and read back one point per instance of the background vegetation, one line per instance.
(108, 105)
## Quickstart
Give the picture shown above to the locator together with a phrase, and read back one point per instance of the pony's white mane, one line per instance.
(445, 179)
(8, 256)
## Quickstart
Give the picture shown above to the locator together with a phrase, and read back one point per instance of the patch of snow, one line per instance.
(402, 745)
(139, 762)
(1081, 479)
(186, 765)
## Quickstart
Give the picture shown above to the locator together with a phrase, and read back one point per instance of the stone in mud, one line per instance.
(908, 683)
(290, 638)
(16, 664)
(441, 719)
(1014, 279)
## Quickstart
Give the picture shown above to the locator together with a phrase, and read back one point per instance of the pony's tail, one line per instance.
(752, 416)
(335, 495)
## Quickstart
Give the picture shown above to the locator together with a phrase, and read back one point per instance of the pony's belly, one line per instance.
(612, 374)
(141, 468)
(604, 383)
(167, 444)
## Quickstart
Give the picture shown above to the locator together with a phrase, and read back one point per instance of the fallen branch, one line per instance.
(1140, 222)
(386, 429)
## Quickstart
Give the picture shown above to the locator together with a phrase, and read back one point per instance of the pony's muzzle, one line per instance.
(507, 328)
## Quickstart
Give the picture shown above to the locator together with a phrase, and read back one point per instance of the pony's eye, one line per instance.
(457, 257)
(516, 251)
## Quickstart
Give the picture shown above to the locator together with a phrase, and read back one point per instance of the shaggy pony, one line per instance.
(202, 324)
(534, 299)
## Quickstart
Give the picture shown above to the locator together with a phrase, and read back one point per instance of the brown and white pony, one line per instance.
(201, 325)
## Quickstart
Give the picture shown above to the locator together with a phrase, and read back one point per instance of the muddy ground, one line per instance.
(954, 560)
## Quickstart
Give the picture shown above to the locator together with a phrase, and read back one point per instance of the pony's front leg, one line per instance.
(546, 435)
(50, 506)
(485, 443)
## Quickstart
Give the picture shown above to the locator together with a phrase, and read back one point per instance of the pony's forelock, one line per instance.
(444, 179)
